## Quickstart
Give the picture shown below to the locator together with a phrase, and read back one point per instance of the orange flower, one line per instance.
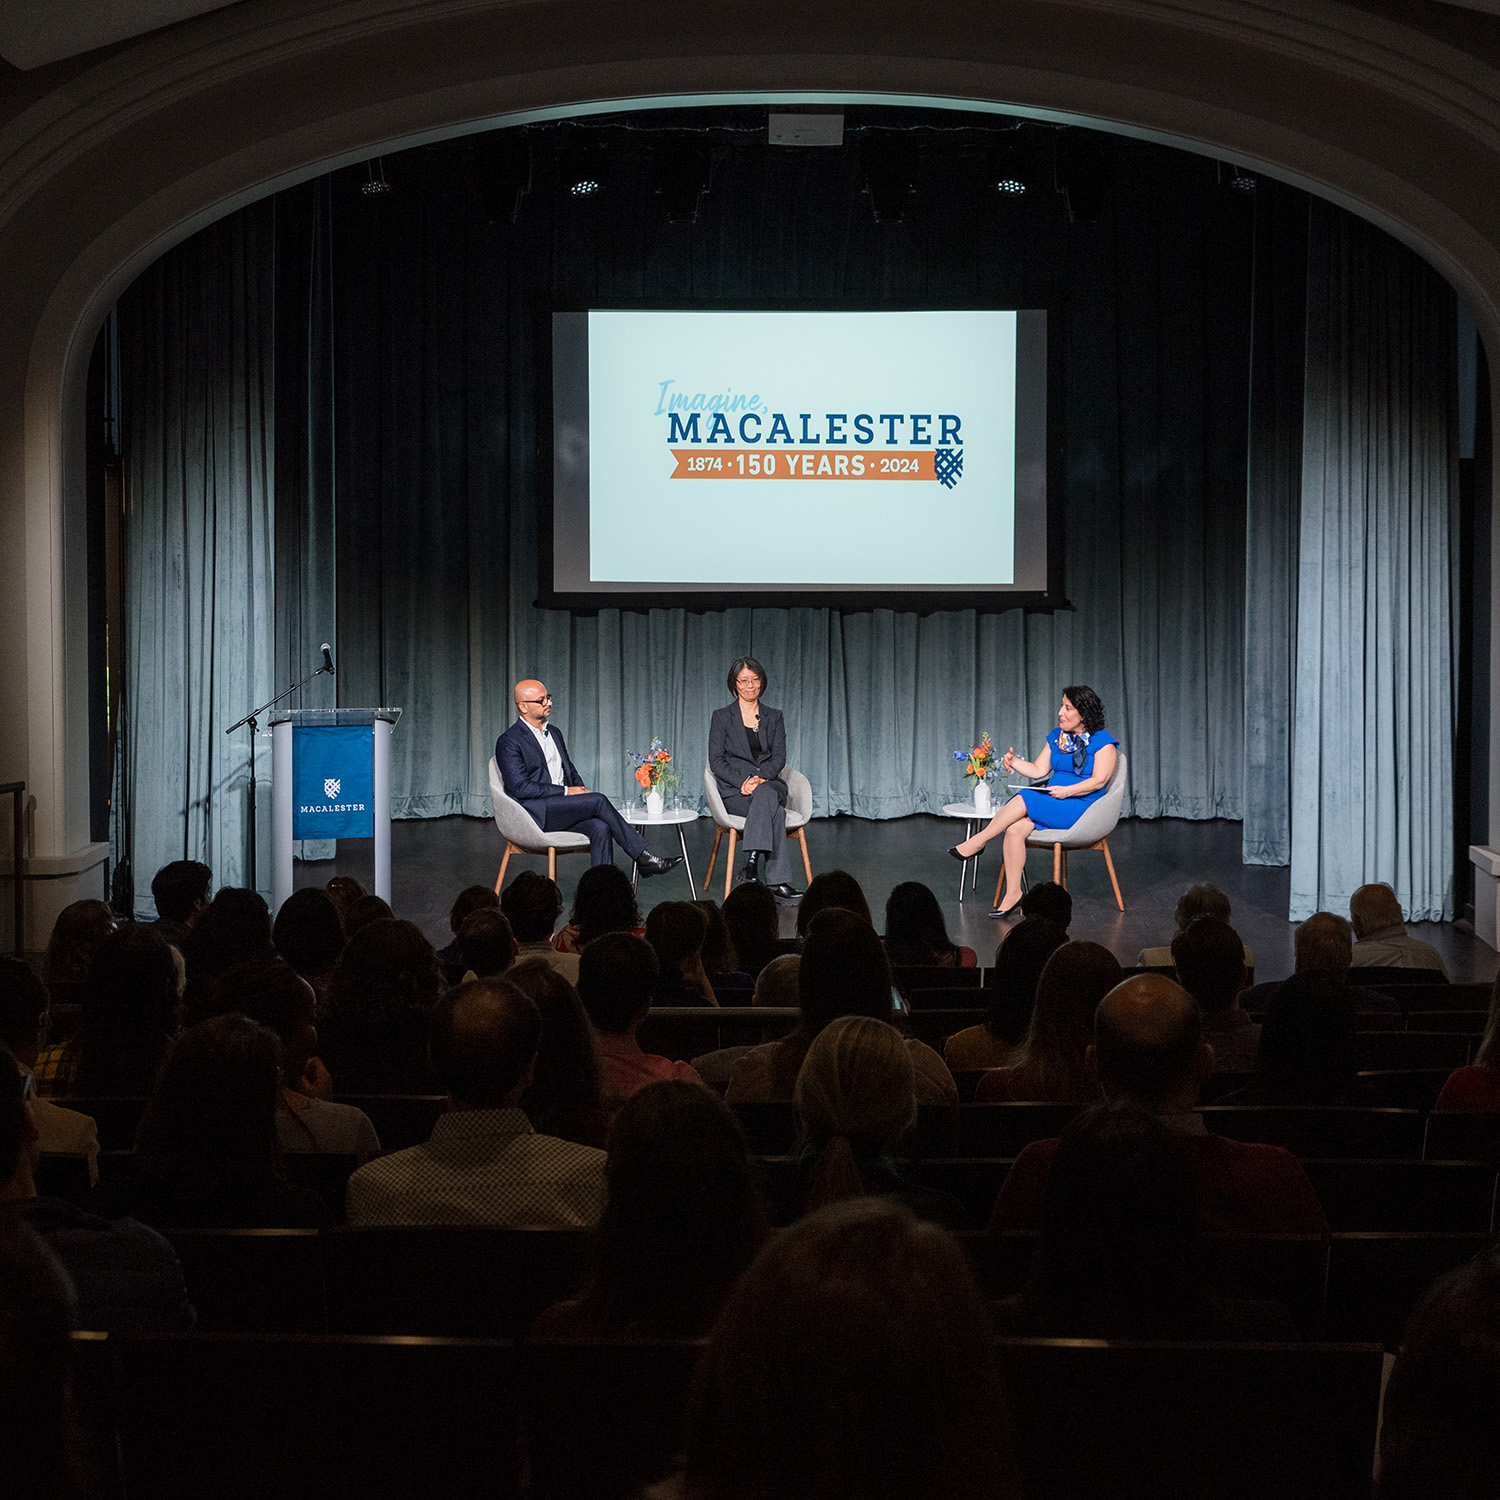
(643, 776)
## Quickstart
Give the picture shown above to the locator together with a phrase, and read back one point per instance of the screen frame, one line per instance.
(913, 601)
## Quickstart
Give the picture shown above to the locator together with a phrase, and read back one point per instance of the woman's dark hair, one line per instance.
(387, 968)
(366, 910)
(309, 932)
(1072, 983)
(915, 932)
(1119, 1250)
(675, 929)
(469, 900)
(1440, 1421)
(234, 929)
(754, 922)
(604, 903)
(211, 1122)
(1307, 1044)
(566, 1097)
(344, 891)
(718, 954)
(76, 935)
(129, 1013)
(1088, 704)
(739, 664)
(271, 992)
(682, 1195)
(1019, 961)
(831, 888)
(793, 1396)
(843, 972)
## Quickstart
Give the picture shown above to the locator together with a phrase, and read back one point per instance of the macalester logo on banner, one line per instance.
(333, 782)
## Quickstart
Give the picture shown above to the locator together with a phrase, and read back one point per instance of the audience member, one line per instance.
(1050, 1065)
(676, 930)
(471, 899)
(1323, 944)
(1476, 1088)
(617, 975)
(483, 1163)
(486, 945)
(843, 972)
(127, 1275)
(831, 888)
(682, 1220)
(604, 902)
(1210, 962)
(532, 904)
(235, 929)
(1440, 1419)
(1195, 903)
(23, 1004)
(307, 1117)
(1381, 940)
(344, 891)
(754, 922)
(205, 1153)
(566, 1097)
(916, 935)
(778, 983)
(374, 1037)
(76, 935)
(1050, 900)
(1307, 1046)
(720, 961)
(129, 1015)
(363, 912)
(853, 1359)
(1148, 1050)
(180, 893)
(1119, 1255)
(309, 934)
(1019, 961)
(39, 1454)
(856, 1099)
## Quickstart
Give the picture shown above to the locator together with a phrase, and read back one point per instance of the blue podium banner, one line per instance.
(333, 782)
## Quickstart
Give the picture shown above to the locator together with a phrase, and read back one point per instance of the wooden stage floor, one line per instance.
(433, 859)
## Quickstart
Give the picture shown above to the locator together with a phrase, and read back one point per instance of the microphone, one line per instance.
(327, 660)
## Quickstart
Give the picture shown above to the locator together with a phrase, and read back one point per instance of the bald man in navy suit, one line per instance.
(535, 768)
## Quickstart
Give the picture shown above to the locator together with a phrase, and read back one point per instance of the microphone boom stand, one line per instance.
(251, 719)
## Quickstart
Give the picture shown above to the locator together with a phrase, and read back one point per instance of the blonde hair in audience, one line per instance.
(856, 1084)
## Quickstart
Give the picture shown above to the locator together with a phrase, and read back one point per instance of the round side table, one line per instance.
(637, 816)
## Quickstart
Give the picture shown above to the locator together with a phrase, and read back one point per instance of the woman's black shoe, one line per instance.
(963, 858)
(751, 868)
(784, 892)
(997, 915)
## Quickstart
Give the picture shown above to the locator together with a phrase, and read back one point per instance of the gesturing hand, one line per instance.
(1008, 760)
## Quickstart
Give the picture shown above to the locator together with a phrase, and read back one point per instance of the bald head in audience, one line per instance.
(1148, 1046)
(1324, 945)
(484, 1040)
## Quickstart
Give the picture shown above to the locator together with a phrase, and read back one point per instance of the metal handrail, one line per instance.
(17, 790)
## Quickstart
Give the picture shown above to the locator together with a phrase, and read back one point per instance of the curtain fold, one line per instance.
(1372, 788)
(197, 338)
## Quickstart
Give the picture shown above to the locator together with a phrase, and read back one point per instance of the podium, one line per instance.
(330, 779)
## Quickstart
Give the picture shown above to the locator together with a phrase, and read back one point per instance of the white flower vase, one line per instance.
(983, 802)
(654, 804)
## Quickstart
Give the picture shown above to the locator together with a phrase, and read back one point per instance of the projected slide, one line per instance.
(796, 451)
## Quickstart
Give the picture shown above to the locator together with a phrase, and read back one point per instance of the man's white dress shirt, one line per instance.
(549, 749)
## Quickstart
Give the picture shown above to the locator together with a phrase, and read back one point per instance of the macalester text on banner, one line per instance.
(860, 463)
(333, 782)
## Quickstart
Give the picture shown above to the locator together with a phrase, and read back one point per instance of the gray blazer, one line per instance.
(729, 755)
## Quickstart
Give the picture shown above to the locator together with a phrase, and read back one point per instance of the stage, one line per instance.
(433, 859)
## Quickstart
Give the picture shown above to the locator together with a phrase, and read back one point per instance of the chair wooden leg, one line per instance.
(713, 854)
(552, 863)
(806, 862)
(734, 835)
(1059, 874)
(999, 884)
(1110, 864)
(504, 861)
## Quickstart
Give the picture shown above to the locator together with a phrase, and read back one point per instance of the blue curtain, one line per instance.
(1372, 777)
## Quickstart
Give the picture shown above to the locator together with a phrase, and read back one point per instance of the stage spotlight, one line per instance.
(501, 171)
(1008, 166)
(1082, 171)
(683, 168)
(376, 186)
(888, 173)
(583, 170)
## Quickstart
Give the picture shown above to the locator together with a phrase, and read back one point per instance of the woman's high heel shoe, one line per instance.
(962, 858)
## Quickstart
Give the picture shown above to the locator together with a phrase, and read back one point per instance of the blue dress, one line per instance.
(1052, 812)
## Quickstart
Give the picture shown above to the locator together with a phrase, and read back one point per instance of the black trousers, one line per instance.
(594, 814)
(764, 812)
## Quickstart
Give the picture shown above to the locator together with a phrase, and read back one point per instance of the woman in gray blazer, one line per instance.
(747, 754)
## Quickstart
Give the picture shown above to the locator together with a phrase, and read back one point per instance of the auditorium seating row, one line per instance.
(477, 1282)
(245, 1416)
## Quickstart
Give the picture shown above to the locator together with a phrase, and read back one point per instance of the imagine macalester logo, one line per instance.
(332, 785)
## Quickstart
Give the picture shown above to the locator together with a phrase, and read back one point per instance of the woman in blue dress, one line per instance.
(1080, 757)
